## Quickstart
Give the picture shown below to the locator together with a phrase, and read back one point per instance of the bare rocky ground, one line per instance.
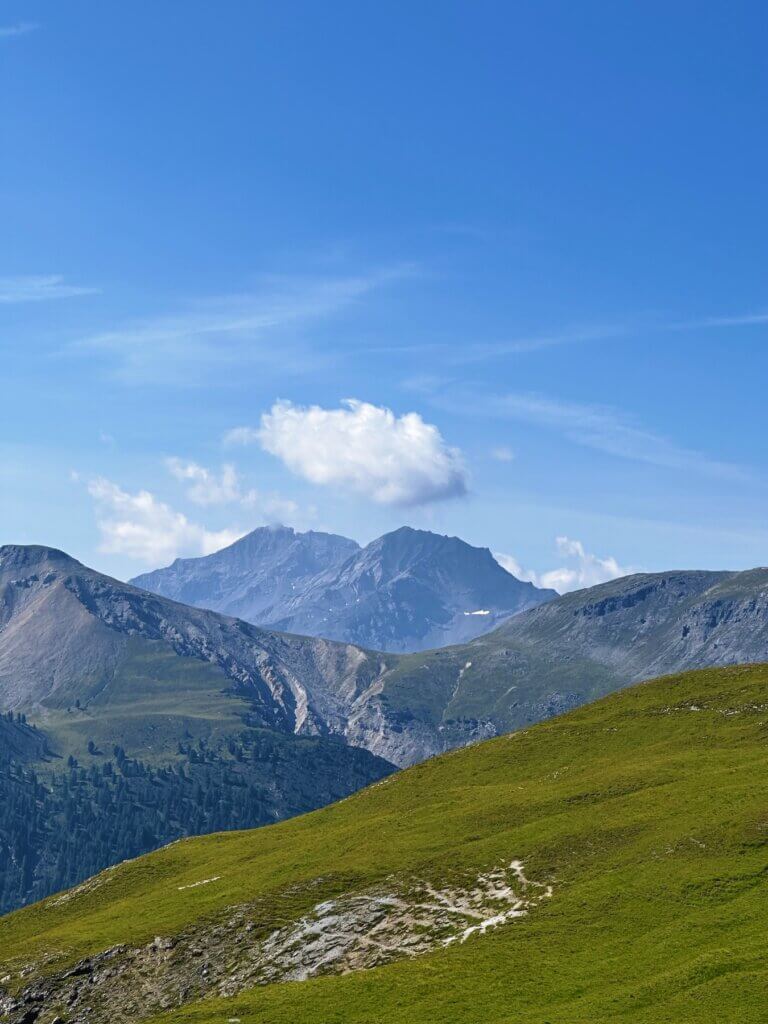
(353, 931)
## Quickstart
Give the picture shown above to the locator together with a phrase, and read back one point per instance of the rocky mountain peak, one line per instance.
(405, 591)
(32, 556)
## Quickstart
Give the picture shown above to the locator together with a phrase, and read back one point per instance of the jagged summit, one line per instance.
(406, 548)
(255, 576)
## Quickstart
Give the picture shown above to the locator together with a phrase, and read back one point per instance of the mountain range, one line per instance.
(609, 865)
(70, 634)
(409, 590)
(181, 720)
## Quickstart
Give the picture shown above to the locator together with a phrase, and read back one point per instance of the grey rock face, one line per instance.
(410, 590)
(350, 931)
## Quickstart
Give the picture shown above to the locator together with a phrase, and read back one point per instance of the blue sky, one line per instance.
(527, 239)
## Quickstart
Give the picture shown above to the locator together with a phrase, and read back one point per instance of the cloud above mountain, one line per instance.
(362, 448)
(142, 527)
(582, 568)
(207, 487)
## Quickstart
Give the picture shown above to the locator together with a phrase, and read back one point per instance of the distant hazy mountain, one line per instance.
(254, 578)
(410, 590)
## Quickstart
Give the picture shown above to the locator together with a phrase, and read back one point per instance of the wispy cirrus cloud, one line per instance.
(605, 429)
(632, 326)
(21, 28)
(230, 331)
(480, 352)
(461, 354)
(736, 320)
(39, 288)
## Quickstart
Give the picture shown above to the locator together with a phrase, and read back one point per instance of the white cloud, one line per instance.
(581, 569)
(207, 487)
(39, 288)
(242, 435)
(511, 564)
(362, 448)
(21, 28)
(142, 527)
(502, 454)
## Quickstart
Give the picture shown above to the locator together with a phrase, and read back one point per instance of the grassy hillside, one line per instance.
(154, 700)
(646, 813)
(162, 750)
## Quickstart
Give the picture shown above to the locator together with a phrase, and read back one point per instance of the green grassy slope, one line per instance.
(155, 700)
(647, 812)
(197, 761)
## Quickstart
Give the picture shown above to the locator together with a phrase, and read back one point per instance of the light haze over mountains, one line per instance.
(409, 590)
